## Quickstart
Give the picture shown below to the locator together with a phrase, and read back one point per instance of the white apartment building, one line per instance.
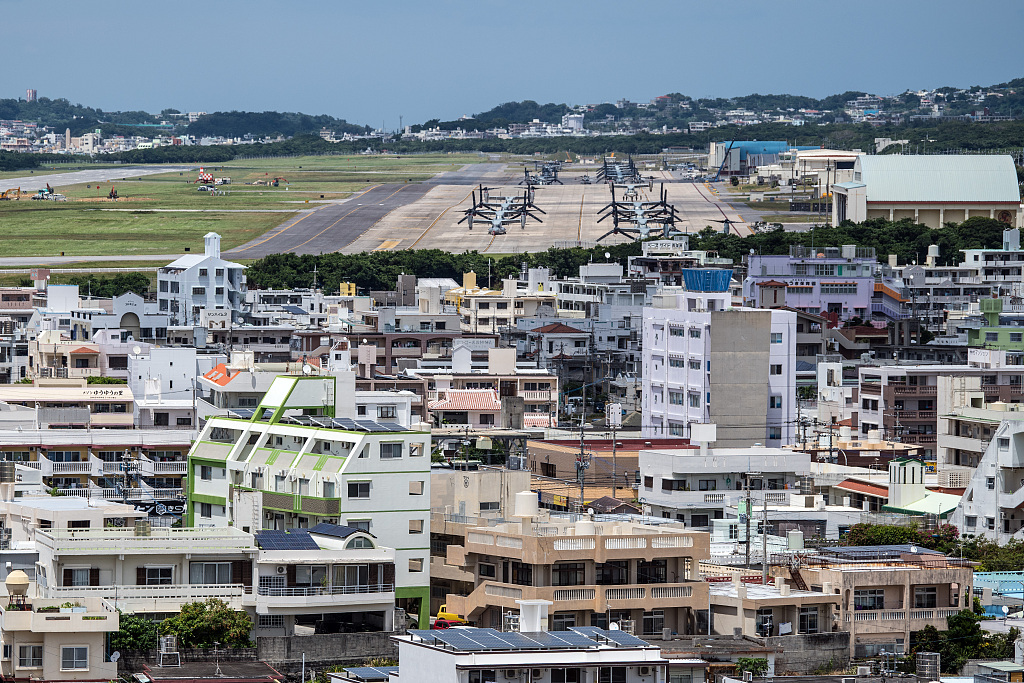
(197, 281)
(293, 462)
(485, 310)
(706, 362)
(992, 503)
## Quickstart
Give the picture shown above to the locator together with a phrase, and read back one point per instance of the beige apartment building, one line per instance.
(594, 571)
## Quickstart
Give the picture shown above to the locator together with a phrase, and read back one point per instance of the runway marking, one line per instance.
(423, 234)
(341, 219)
(374, 224)
(281, 232)
(579, 231)
(388, 245)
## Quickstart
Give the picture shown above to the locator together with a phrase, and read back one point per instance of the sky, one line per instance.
(374, 61)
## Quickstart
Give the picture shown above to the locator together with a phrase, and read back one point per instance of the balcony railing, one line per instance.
(902, 614)
(183, 592)
(325, 590)
(912, 389)
(544, 395)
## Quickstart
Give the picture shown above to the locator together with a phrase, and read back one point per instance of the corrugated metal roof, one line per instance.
(942, 178)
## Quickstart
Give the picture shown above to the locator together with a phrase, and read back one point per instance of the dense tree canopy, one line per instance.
(202, 624)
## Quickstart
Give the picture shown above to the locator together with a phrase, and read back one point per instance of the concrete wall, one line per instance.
(802, 654)
(739, 376)
(285, 654)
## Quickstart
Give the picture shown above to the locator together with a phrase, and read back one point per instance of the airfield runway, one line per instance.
(394, 217)
(31, 183)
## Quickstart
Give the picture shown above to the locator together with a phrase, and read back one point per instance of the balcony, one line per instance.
(170, 467)
(67, 468)
(697, 499)
(904, 390)
(915, 414)
(544, 395)
(885, 618)
(112, 420)
(584, 598)
(871, 388)
(294, 502)
(164, 598)
(43, 615)
(158, 540)
(323, 596)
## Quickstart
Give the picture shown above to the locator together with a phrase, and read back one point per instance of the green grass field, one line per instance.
(163, 214)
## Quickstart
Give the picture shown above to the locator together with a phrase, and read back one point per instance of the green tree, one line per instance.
(135, 633)
(104, 380)
(758, 666)
(201, 624)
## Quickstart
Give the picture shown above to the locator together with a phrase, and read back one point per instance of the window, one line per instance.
(565, 676)
(205, 472)
(390, 450)
(563, 621)
(483, 676)
(359, 489)
(387, 412)
(699, 520)
(567, 574)
(694, 333)
(971, 522)
(211, 573)
(648, 482)
(205, 510)
(694, 399)
(270, 621)
(415, 526)
(707, 485)
(360, 410)
(674, 362)
(653, 622)
(869, 598)
(775, 433)
(695, 364)
(415, 564)
(1016, 337)
(1003, 443)
(613, 573)
(199, 291)
(677, 331)
(416, 488)
(655, 571)
(775, 369)
(990, 523)
(925, 598)
(838, 288)
(78, 577)
(159, 576)
(487, 571)
(361, 542)
(990, 483)
(184, 421)
(776, 338)
(675, 398)
(611, 674)
(808, 620)
(991, 336)
(486, 419)
(492, 506)
(30, 656)
(361, 524)
(203, 272)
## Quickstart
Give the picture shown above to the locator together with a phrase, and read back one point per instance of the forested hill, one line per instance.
(235, 124)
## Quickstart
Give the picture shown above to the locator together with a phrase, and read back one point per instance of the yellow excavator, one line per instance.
(12, 193)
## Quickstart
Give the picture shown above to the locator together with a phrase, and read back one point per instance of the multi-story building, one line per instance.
(197, 281)
(72, 403)
(592, 570)
(485, 310)
(992, 502)
(664, 261)
(827, 279)
(707, 362)
(696, 486)
(292, 462)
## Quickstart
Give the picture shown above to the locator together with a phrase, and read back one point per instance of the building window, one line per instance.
(674, 362)
(707, 485)
(415, 526)
(774, 401)
(1003, 443)
(76, 577)
(653, 622)
(567, 574)
(387, 412)
(209, 573)
(359, 489)
(808, 620)
(990, 483)
(613, 674)
(416, 488)
(655, 571)
(925, 598)
(205, 510)
(270, 621)
(159, 576)
(161, 419)
(648, 482)
(677, 331)
(360, 524)
(30, 656)
(694, 333)
(74, 658)
(869, 598)
(361, 410)
(776, 338)
(415, 564)
(991, 336)
(775, 433)
(990, 523)
(971, 522)
(695, 364)
(613, 573)
(675, 429)
(310, 574)
(775, 369)
(563, 621)
(699, 520)
(675, 398)
(389, 451)
(205, 472)
(1016, 337)
(199, 291)
(203, 272)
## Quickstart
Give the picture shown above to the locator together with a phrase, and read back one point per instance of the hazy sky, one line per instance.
(374, 60)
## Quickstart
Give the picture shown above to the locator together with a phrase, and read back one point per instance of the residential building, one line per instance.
(198, 281)
(664, 261)
(705, 362)
(485, 310)
(929, 189)
(603, 568)
(72, 403)
(296, 460)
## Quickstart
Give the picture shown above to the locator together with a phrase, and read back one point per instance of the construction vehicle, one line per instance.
(446, 619)
(278, 179)
(49, 193)
(7, 196)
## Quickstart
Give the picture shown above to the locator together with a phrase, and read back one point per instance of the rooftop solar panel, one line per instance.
(286, 540)
(244, 413)
(623, 638)
(489, 641)
(517, 641)
(424, 634)
(371, 673)
(575, 640)
(545, 640)
(456, 640)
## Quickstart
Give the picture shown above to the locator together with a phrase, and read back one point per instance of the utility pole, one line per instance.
(764, 538)
(746, 485)
(615, 486)
(581, 465)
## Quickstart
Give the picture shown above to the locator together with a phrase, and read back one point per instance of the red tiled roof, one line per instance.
(219, 375)
(772, 283)
(861, 487)
(559, 328)
(537, 420)
(482, 400)
(83, 350)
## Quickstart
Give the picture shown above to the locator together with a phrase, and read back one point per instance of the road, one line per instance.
(32, 183)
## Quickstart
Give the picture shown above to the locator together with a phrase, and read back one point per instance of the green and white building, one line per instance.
(292, 463)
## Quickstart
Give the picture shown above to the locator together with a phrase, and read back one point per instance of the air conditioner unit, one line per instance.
(863, 670)
(537, 673)
(748, 675)
(282, 569)
(511, 673)
(644, 670)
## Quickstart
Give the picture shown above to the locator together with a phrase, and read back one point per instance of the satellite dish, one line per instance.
(1006, 610)
(114, 656)
(614, 626)
(307, 369)
(136, 350)
(607, 254)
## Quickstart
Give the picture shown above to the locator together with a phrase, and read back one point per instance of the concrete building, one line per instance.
(291, 463)
(197, 281)
(991, 504)
(929, 189)
(592, 570)
(705, 362)
(72, 403)
(485, 310)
